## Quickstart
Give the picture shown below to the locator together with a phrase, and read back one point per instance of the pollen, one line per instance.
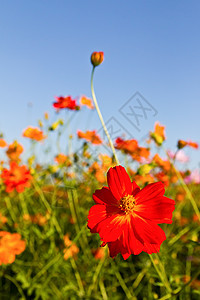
(127, 204)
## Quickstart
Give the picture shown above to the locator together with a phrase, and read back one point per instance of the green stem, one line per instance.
(23, 204)
(160, 274)
(14, 281)
(101, 118)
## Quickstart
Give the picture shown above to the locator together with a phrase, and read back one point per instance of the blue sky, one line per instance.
(151, 47)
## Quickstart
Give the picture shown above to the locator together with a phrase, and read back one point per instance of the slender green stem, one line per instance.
(14, 281)
(123, 284)
(48, 207)
(10, 209)
(101, 118)
(160, 274)
(77, 275)
(23, 204)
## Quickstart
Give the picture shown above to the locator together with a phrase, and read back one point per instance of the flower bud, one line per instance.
(97, 58)
(181, 144)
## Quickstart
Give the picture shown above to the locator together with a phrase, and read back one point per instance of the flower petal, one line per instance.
(147, 232)
(106, 220)
(135, 187)
(158, 209)
(117, 247)
(119, 182)
(150, 191)
(104, 196)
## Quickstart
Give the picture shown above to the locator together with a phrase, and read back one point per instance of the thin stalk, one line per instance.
(101, 118)
(14, 281)
(23, 204)
(164, 281)
(97, 272)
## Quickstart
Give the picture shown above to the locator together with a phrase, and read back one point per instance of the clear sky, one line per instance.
(151, 47)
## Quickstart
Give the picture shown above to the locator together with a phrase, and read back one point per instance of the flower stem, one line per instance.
(160, 272)
(101, 118)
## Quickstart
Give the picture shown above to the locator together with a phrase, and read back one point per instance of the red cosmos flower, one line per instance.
(126, 217)
(17, 177)
(65, 102)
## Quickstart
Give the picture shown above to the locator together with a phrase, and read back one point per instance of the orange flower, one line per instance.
(3, 219)
(181, 144)
(10, 246)
(63, 159)
(97, 58)
(14, 151)
(193, 145)
(132, 148)
(90, 136)
(159, 134)
(164, 164)
(34, 134)
(98, 253)
(143, 179)
(96, 170)
(71, 250)
(106, 161)
(164, 178)
(39, 219)
(3, 143)
(17, 177)
(127, 146)
(87, 102)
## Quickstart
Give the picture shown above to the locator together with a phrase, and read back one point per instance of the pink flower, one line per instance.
(193, 177)
(180, 156)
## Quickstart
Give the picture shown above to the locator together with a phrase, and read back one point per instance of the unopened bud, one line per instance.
(97, 58)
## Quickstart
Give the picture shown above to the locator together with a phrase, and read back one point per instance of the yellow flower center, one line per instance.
(127, 204)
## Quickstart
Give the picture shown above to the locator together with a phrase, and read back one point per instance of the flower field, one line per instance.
(107, 220)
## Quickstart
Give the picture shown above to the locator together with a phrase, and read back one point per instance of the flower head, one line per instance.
(97, 58)
(17, 177)
(126, 217)
(65, 102)
(181, 144)
(14, 151)
(90, 136)
(87, 102)
(159, 134)
(71, 248)
(10, 246)
(34, 134)
(3, 143)
(132, 148)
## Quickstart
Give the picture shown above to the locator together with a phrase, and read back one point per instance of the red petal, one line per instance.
(119, 182)
(158, 209)
(135, 187)
(107, 221)
(147, 232)
(104, 196)
(117, 247)
(149, 192)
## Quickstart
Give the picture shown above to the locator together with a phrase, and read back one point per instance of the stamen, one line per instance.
(127, 204)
